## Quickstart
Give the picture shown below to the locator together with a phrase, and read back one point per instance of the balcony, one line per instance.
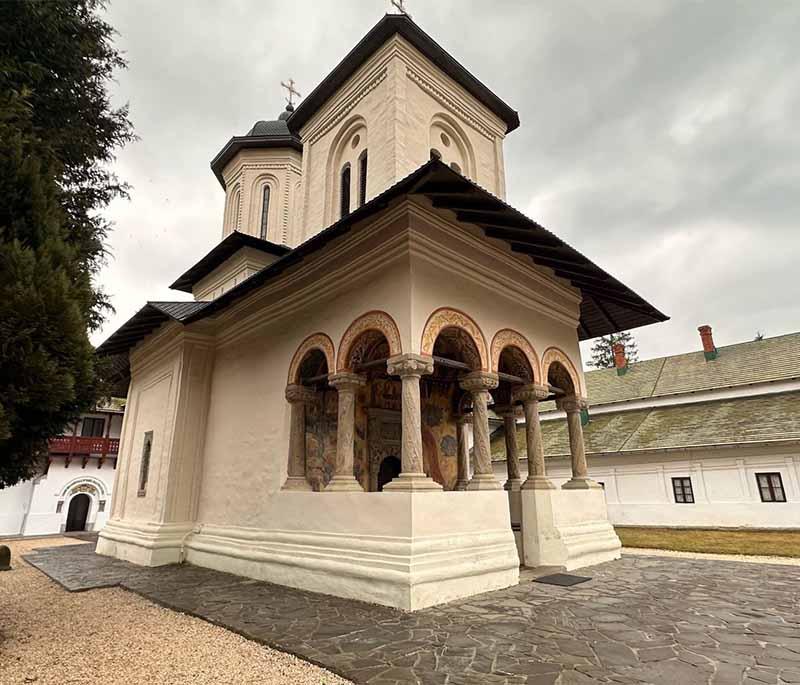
(84, 446)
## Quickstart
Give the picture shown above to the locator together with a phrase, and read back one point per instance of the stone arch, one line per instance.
(508, 338)
(346, 148)
(317, 341)
(452, 143)
(553, 355)
(233, 210)
(256, 200)
(74, 486)
(377, 321)
(446, 317)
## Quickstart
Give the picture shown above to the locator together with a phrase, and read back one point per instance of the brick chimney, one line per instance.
(709, 349)
(620, 362)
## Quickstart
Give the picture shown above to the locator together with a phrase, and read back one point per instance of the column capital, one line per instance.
(572, 405)
(299, 394)
(478, 381)
(346, 380)
(530, 393)
(409, 365)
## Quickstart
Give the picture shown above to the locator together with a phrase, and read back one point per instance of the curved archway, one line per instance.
(451, 142)
(513, 351)
(233, 210)
(558, 370)
(78, 512)
(446, 318)
(346, 149)
(319, 342)
(261, 223)
(376, 321)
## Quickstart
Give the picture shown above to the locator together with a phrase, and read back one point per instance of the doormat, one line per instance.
(562, 579)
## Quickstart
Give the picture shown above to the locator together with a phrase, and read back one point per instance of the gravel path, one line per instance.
(748, 558)
(48, 635)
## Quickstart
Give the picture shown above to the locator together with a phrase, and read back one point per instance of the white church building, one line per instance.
(302, 420)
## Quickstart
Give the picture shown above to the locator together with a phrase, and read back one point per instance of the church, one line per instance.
(307, 418)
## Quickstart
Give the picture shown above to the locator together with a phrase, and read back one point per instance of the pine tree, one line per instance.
(603, 350)
(57, 130)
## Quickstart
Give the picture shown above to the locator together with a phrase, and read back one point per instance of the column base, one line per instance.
(513, 485)
(484, 481)
(413, 482)
(538, 483)
(297, 483)
(344, 484)
(581, 484)
(461, 485)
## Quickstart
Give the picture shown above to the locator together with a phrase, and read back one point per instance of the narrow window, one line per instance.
(435, 154)
(101, 506)
(344, 200)
(682, 489)
(265, 213)
(59, 506)
(92, 428)
(455, 167)
(770, 486)
(362, 172)
(144, 468)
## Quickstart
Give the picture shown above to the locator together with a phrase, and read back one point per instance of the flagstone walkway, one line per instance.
(639, 620)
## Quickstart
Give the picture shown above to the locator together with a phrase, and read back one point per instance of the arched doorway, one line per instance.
(78, 512)
(389, 470)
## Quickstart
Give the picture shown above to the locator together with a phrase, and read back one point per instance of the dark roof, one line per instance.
(608, 306)
(400, 24)
(737, 421)
(144, 322)
(264, 134)
(226, 249)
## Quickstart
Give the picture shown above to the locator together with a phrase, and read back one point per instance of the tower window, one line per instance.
(344, 197)
(265, 213)
(362, 184)
(435, 154)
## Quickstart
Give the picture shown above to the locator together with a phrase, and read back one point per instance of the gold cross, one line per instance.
(291, 90)
(400, 6)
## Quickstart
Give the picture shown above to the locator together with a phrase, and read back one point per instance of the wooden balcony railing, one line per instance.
(77, 445)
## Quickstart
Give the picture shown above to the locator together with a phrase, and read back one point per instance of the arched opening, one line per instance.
(362, 179)
(265, 194)
(389, 470)
(319, 408)
(435, 154)
(344, 192)
(452, 145)
(514, 369)
(347, 162)
(78, 512)
(559, 377)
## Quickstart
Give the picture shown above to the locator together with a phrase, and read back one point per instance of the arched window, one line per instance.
(344, 197)
(455, 167)
(435, 154)
(362, 183)
(265, 212)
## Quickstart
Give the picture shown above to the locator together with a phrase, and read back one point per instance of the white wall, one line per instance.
(14, 502)
(639, 487)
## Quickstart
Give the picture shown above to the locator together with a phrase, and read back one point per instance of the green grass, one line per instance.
(759, 542)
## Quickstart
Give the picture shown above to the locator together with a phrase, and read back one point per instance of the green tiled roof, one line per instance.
(771, 359)
(720, 422)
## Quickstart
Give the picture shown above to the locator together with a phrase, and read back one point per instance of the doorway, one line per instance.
(389, 470)
(77, 513)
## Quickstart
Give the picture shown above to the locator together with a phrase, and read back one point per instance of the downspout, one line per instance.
(182, 552)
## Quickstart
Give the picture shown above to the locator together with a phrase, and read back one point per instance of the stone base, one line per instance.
(461, 485)
(512, 485)
(581, 484)
(484, 481)
(297, 483)
(538, 483)
(408, 550)
(567, 528)
(343, 484)
(413, 482)
(146, 544)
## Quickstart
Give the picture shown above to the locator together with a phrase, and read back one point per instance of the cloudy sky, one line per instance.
(659, 138)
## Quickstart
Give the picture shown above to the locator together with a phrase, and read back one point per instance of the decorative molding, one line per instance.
(317, 341)
(552, 355)
(371, 321)
(446, 317)
(509, 338)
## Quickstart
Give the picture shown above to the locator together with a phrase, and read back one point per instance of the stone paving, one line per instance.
(639, 620)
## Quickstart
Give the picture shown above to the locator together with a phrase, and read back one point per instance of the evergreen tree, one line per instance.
(603, 350)
(57, 132)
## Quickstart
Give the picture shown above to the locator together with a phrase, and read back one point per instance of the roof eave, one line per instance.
(237, 143)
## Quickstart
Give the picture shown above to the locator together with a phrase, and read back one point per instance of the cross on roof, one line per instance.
(291, 90)
(400, 6)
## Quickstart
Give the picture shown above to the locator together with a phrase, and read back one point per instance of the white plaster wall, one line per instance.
(14, 502)
(233, 271)
(639, 492)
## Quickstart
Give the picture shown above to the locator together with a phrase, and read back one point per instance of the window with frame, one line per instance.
(264, 212)
(770, 487)
(93, 428)
(682, 489)
(362, 181)
(344, 192)
(144, 467)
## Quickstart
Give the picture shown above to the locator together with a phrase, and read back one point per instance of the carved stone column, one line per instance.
(478, 384)
(530, 396)
(462, 426)
(410, 368)
(298, 397)
(344, 480)
(509, 416)
(580, 473)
